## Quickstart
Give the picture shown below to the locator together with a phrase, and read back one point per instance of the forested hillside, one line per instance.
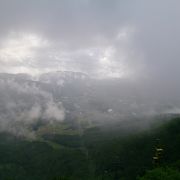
(94, 154)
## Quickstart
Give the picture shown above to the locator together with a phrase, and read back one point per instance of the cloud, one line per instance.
(132, 40)
(28, 53)
(23, 105)
(65, 35)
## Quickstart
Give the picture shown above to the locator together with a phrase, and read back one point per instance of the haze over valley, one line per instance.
(89, 89)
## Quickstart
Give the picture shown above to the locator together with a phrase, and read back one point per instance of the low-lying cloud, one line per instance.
(23, 105)
(134, 42)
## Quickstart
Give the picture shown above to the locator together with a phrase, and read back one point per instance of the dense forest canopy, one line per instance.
(93, 155)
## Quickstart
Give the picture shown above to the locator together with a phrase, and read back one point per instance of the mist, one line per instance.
(102, 61)
(23, 104)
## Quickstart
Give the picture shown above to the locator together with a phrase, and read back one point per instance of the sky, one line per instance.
(107, 39)
(135, 41)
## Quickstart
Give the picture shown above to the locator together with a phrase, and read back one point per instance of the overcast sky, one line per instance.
(104, 38)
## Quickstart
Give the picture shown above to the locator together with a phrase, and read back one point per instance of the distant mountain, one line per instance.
(61, 76)
(73, 97)
(20, 76)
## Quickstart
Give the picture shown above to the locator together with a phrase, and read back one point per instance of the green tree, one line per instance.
(161, 174)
